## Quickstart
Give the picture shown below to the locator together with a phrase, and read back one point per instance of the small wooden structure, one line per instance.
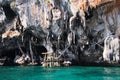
(50, 60)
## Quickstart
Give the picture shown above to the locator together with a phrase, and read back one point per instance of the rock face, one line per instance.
(111, 49)
(76, 31)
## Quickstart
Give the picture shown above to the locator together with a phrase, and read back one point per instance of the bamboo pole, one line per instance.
(31, 52)
(20, 48)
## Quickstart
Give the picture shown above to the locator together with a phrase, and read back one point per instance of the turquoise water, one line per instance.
(59, 73)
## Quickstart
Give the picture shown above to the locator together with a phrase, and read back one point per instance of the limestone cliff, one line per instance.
(73, 29)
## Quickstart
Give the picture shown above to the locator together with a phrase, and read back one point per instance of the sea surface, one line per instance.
(59, 73)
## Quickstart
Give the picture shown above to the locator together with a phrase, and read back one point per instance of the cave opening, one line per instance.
(39, 49)
(10, 54)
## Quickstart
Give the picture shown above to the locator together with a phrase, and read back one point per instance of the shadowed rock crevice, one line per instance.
(9, 13)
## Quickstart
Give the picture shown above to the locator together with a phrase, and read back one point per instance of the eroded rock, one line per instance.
(75, 32)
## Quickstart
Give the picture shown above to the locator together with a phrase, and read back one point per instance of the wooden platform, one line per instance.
(50, 60)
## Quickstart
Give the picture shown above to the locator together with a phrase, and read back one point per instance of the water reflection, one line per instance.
(107, 78)
(111, 73)
(107, 70)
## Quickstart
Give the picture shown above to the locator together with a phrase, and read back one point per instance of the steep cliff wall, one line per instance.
(72, 29)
